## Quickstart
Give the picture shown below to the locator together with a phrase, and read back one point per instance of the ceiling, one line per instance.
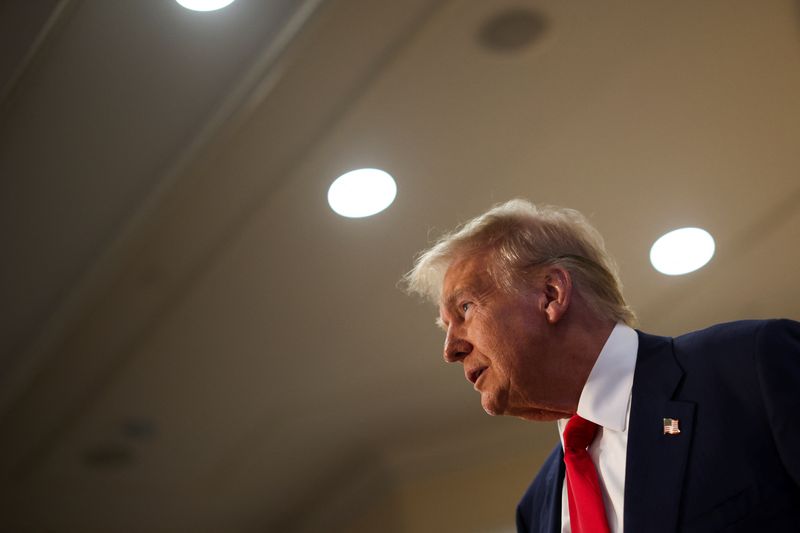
(191, 340)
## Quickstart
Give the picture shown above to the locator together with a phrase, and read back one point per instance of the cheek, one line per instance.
(506, 343)
(518, 360)
(507, 361)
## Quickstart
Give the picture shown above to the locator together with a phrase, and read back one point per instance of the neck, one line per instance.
(583, 336)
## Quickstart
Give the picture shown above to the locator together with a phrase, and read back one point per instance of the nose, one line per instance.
(455, 348)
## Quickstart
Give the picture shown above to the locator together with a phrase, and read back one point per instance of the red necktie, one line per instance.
(587, 514)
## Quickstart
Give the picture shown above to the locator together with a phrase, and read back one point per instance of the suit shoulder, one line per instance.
(782, 330)
(737, 331)
(734, 344)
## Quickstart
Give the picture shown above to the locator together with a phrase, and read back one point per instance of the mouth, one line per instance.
(475, 373)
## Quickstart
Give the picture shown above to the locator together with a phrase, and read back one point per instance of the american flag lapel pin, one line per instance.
(671, 426)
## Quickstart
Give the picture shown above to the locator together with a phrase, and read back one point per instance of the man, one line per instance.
(696, 433)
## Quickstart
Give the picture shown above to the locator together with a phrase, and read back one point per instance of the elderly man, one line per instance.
(696, 433)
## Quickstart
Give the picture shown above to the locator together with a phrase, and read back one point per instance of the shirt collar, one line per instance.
(605, 397)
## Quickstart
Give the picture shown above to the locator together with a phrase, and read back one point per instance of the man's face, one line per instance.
(504, 341)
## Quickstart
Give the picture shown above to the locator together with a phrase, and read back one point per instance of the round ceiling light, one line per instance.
(361, 193)
(204, 5)
(682, 251)
(512, 30)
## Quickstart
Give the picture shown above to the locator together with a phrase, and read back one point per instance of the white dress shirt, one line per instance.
(606, 401)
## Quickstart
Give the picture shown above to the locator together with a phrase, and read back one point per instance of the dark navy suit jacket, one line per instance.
(735, 466)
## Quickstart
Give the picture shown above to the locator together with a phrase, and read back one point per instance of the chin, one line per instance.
(541, 415)
(491, 406)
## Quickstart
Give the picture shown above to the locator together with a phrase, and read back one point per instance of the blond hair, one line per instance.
(520, 236)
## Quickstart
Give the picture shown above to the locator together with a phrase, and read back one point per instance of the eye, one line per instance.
(465, 306)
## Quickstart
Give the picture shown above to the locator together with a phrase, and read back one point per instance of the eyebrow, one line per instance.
(452, 300)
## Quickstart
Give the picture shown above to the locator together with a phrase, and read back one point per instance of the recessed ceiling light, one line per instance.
(682, 251)
(361, 193)
(512, 30)
(204, 5)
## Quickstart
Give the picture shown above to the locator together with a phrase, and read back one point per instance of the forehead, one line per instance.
(469, 273)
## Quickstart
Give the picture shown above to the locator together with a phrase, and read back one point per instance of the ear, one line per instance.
(557, 292)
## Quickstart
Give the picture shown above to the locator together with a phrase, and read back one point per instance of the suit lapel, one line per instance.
(656, 463)
(551, 521)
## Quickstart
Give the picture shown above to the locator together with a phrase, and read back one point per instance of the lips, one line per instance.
(475, 373)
